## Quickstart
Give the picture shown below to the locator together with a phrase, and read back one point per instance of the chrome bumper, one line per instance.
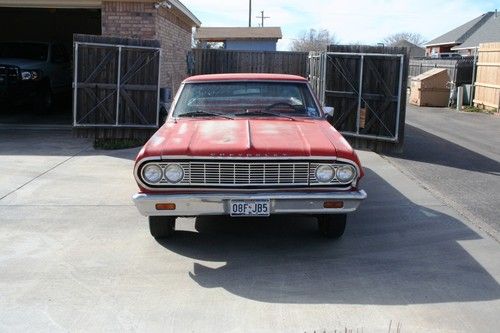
(218, 203)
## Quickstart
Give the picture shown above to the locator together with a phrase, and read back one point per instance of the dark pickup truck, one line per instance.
(32, 72)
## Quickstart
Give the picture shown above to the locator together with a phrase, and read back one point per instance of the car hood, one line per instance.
(22, 63)
(248, 138)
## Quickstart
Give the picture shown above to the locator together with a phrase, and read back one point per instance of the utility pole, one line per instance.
(262, 17)
(249, 13)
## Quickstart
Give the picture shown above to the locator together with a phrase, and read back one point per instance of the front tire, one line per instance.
(161, 226)
(332, 226)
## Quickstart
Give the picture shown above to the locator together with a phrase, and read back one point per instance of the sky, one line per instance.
(355, 21)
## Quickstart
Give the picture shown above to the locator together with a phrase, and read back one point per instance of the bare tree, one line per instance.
(411, 37)
(313, 40)
(207, 45)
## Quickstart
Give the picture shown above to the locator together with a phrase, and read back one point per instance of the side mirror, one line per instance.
(329, 111)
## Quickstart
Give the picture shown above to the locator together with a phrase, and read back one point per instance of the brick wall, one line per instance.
(175, 37)
(128, 19)
(438, 49)
(142, 20)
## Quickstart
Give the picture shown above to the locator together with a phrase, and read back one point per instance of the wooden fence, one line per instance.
(487, 86)
(459, 70)
(116, 87)
(367, 87)
(215, 61)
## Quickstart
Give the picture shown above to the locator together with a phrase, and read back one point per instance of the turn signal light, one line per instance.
(333, 204)
(165, 206)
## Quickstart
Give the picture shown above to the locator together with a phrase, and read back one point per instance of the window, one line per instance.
(236, 98)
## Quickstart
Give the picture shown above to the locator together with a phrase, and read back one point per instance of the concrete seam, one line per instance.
(43, 173)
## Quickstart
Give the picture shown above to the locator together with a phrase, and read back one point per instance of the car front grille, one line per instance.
(246, 174)
(9, 73)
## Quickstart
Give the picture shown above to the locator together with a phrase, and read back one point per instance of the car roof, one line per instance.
(244, 77)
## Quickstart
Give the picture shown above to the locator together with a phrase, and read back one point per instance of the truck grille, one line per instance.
(8, 73)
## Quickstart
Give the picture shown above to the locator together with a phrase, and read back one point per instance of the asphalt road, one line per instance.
(456, 155)
(75, 255)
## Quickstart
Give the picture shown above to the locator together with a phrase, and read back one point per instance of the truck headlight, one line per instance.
(30, 75)
(174, 173)
(346, 173)
(152, 173)
(325, 173)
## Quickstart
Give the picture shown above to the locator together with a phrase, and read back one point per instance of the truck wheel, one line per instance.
(332, 226)
(161, 226)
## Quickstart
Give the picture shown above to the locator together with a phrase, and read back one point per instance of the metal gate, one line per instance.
(367, 91)
(116, 85)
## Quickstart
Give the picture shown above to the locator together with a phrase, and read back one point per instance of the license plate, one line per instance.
(249, 207)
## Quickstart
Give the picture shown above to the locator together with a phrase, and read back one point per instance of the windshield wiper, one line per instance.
(204, 113)
(257, 112)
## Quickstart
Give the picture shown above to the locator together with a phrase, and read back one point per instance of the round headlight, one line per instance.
(26, 75)
(325, 173)
(174, 173)
(152, 173)
(346, 173)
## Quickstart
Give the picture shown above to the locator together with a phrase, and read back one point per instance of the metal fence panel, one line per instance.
(116, 85)
(459, 70)
(367, 91)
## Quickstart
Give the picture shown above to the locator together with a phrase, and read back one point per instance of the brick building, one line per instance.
(171, 24)
(168, 21)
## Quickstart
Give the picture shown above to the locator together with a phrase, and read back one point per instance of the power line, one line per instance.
(262, 17)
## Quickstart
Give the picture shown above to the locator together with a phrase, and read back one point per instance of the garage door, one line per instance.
(21, 25)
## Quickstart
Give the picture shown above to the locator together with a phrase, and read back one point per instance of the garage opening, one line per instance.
(36, 62)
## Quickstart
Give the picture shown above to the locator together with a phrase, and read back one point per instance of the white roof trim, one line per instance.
(439, 44)
(464, 48)
(185, 11)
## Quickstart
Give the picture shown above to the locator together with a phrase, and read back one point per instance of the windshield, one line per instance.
(31, 51)
(240, 99)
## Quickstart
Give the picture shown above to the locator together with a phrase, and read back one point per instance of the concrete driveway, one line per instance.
(75, 255)
(456, 155)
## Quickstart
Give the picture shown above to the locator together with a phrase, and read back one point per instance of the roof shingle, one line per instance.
(489, 32)
(460, 34)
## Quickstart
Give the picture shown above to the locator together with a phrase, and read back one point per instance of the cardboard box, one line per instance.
(430, 88)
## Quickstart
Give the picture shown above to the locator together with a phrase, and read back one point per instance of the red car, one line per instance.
(247, 145)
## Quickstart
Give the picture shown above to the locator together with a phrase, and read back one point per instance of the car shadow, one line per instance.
(422, 146)
(393, 252)
(54, 142)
